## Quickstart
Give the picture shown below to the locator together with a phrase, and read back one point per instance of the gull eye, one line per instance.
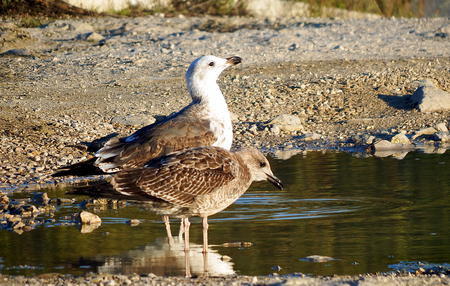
(262, 164)
(211, 64)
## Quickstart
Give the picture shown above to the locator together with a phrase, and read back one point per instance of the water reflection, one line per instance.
(161, 259)
(366, 212)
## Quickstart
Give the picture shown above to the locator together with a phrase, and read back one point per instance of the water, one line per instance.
(367, 213)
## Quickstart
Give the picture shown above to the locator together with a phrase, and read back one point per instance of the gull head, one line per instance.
(259, 166)
(205, 70)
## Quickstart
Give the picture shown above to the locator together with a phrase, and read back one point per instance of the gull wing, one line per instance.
(180, 177)
(153, 141)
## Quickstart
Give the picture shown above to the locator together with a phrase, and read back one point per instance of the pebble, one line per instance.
(317, 258)
(287, 122)
(134, 222)
(400, 138)
(85, 217)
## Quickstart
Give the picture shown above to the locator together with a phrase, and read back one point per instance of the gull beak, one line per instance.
(234, 60)
(275, 181)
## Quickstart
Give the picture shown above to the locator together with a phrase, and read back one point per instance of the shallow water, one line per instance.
(367, 213)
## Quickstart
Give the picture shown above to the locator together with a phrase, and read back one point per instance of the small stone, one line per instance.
(370, 139)
(287, 122)
(40, 198)
(134, 222)
(400, 138)
(94, 37)
(275, 129)
(441, 127)
(424, 131)
(18, 225)
(85, 217)
(443, 137)
(384, 145)
(310, 137)
(317, 258)
(225, 258)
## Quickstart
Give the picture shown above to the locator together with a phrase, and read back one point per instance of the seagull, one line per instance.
(199, 181)
(206, 121)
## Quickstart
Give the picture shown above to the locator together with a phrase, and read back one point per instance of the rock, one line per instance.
(370, 139)
(317, 258)
(18, 225)
(275, 129)
(429, 98)
(40, 198)
(384, 145)
(94, 37)
(88, 228)
(286, 154)
(85, 217)
(400, 138)
(133, 120)
(287, 122)
(91, 37)
(4, 200)
(443, 137)
(424, 131)
(80, 27)
(310, 137)
(441, 127)
(134, 222)
(225, 258)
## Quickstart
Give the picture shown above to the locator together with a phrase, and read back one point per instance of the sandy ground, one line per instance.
(73, 81)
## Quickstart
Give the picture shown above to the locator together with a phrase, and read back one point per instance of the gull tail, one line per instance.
(84, 168)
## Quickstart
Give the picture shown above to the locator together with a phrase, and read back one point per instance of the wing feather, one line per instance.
(153, 141)
(181, 177)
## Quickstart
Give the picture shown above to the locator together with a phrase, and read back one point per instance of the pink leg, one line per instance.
(186, 225)
(180, 233)
(169, 232)
(205, 234)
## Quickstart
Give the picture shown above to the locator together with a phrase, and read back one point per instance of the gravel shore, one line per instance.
(70, 82)
(292, 280)
(73, 81)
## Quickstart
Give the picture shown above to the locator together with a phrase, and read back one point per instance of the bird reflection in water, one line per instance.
(163, 259)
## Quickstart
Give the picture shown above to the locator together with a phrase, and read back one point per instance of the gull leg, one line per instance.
(205, 234)
(180, 233)
(169, 232)
(205, 264)
(186, 225)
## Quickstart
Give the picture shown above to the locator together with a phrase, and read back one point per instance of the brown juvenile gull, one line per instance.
(204, 122)
(194, 182)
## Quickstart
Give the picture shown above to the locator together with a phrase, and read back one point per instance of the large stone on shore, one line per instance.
(85, 217)
(429, 98)
(287, 122)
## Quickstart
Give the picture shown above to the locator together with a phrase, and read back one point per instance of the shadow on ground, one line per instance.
(397, 101)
